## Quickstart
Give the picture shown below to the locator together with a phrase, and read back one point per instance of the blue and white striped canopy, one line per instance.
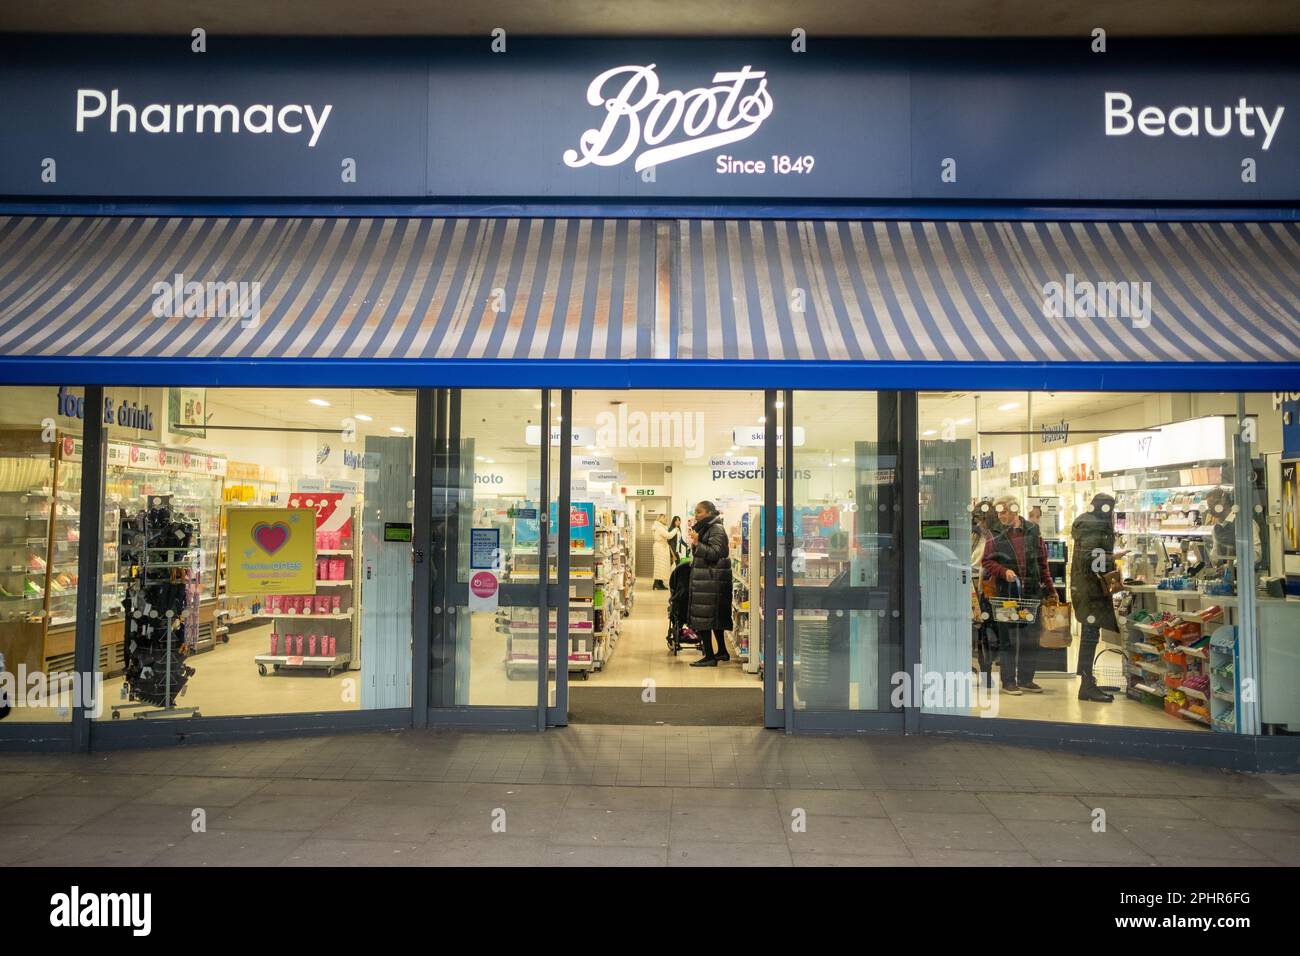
(920, 291)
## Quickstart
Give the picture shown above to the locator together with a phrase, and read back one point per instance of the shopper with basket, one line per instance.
(1094, 581)
(1015, 558)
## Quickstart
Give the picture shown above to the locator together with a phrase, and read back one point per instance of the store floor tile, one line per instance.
(231, 848)
(1164, 836)
(687, 853)
(327, 851)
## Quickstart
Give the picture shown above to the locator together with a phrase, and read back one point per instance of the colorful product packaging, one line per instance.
(275, 644)
(311, 645)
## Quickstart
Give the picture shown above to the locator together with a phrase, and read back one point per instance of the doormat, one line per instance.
(676, 706)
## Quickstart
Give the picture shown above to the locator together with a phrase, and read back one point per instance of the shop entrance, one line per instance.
(561, 520)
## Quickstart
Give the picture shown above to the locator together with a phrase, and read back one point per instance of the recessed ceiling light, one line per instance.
(490, 461)
(928, 432)
(780, 404)
(591, 448)
(362, 418)
(762, 419)
(397, 428)
(1008, 407)
(319, 401)
(479, 458)
(735, 448)
(537, 405)
(844, 461)
(963, 421)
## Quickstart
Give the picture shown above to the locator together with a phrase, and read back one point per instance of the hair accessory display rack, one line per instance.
(159, 579)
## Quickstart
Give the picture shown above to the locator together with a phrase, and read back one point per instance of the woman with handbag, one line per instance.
(1094, 579)
(1015, 557)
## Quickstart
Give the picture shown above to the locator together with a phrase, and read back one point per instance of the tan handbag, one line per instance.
(1112, 582)
(1055, 626)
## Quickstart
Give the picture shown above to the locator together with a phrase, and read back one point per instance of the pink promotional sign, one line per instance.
(483, 591)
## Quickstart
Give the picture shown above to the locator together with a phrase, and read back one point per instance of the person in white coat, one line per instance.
(663, 551)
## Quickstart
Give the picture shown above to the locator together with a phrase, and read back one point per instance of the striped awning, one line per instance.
(979, 291)
(921, 291)
(328, 288)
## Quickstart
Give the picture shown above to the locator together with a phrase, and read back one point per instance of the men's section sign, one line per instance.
(272, 551)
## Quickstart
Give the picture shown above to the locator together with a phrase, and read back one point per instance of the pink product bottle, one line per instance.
(322, 603)
(275, 644)
(297, 645)
(336, 602)
(333, 651)
(311, 645)
(336, 569)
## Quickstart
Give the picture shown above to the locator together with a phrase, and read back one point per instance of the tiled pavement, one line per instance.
(635, 795)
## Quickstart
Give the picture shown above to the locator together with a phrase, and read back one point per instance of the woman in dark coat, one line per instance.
(709, 611)
(1094, 553)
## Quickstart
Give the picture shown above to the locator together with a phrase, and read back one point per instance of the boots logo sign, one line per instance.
(660, 126)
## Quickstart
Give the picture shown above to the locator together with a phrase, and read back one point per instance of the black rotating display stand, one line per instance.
(158, 567)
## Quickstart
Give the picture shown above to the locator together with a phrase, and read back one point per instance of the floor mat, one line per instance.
(679, 706)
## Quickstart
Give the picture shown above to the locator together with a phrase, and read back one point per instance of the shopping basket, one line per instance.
(1108, 668)
(1015, 610)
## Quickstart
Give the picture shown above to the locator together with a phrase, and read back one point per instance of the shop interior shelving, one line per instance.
(293, 648)
(40, 539)
(246, 487)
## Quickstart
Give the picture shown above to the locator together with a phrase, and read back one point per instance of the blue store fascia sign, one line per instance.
(650, 120)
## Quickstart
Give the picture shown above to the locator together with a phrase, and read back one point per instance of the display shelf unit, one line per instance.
(40, 539)
(153, 565)
(248, 485)
(138, 470)
(291, 650)
(611, 596)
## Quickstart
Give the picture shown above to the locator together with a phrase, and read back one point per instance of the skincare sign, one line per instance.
(272, 551)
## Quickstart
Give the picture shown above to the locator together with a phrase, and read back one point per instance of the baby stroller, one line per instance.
(679, 599)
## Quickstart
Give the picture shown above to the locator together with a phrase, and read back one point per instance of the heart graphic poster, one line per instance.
(272, 551)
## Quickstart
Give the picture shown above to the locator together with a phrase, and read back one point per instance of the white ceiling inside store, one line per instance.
(497, 418)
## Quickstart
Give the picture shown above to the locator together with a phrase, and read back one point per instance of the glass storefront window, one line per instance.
(267, 526)
(40, 541)
(1103, 578)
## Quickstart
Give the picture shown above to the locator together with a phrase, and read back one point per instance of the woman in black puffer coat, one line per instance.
(1094, 553)
(710, 602)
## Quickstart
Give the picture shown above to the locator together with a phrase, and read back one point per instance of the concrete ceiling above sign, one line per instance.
(722, 18)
